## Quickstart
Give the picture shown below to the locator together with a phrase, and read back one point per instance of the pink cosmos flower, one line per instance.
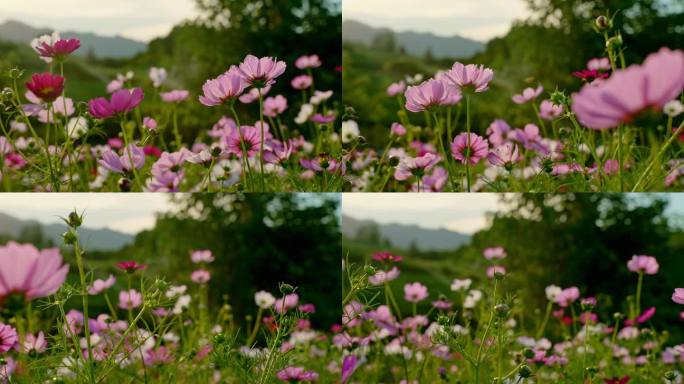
(46, 86)
(323, 119)
(34, 344)
(55, 48)
(296, 375)
(122, 101)
(611, 167)
(398, 129)
(415, 292)
(428, 94)
(158, 356)
(301, 82)
(8, 337)
(442, 304)
(498, 132)
(123, 164)
(504, 155)
(396, 88)
(418, 166)
(200, 276)
(387, 257)
(567, 296)
(643, 264)
(628, 92)
(277, 152)
(274, 106)
(495, 270)
(201, 256)
(549, 111)
(435, 181)
(382, 277)
(30, 272)
(150, 124)
(253, 95)
(470, 77)
(349, 365)
(100, 285)
(528, 94)
(130, 299)
(492, 253)
(599, 64)
(175, 96)
(678, 295)
(261, 72)
(131, 266)
(251, 138)
(286, 303)
(227, 86)
(306, 62)
(479, 147)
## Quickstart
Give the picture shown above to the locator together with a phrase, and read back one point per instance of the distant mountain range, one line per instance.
(415, 43)
(401, 236)
(100, 46)
(93, 239)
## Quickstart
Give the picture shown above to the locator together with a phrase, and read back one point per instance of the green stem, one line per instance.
(660, 153)
(261, 145)
(638, 294)
(467, 159)
(84, 295)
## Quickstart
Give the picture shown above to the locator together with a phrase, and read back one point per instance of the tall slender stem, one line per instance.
(84, 296)
(660, 153)
(467, 159)
(261, 145)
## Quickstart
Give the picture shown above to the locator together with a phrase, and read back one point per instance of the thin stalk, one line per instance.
(660, 153)
(467, 159)
(84, 295)
(261, 145)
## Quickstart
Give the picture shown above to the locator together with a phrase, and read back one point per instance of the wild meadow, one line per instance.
(50, 141)
(154, 331)
(611, 125)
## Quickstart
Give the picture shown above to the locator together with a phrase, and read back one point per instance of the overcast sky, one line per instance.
(477, 19)
(460, 212)
(129, 213)
(141, 20)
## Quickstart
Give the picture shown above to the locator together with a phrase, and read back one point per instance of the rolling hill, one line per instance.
(94, 239)
(415, 43)
(102, 47)
(401, 235)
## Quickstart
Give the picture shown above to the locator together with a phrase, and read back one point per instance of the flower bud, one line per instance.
(603, 23)
(286, 288)
(393, 161)
(528, 353)
(614, 43)
(125, 184)
(592, 371)
(525, 372)
(75, 220)
(671, 376)
(69, 237)
(502, 310)
(215, 152)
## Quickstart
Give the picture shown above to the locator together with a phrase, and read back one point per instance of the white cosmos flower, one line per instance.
(264, 300)
(350, 131)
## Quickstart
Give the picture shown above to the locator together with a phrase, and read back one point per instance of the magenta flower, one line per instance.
(297, 375)
(8, 337)
(469, 148)
(678, 295)
(415, 292)
(201, 256)
(306, 62)
(130, 299)
(349, 365)
(131, 266)
(320, 118)
(643, 264)
(469, 78)
(226, 87)
(277, 152)
(387, 257)
(200, 276)
(504, 155)
(549, 111)
(396, 88)
(29, 272)
(46, 86)
(274, 106)
(150, 124)
(629, 92)
(429, 94)
(251, 137)
(397, 129)
(261, 72)
(495, 270)
(122, 101)
(528, 94)
(123, 164)
(492, 253)
(175, 96)
(301, 82)
(100, 285)
(158, 356)
(418, 166)
(54, 47)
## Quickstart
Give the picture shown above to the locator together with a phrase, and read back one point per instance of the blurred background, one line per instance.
(525, 42)
(582, 240)
(258, 241)
(193, 39)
